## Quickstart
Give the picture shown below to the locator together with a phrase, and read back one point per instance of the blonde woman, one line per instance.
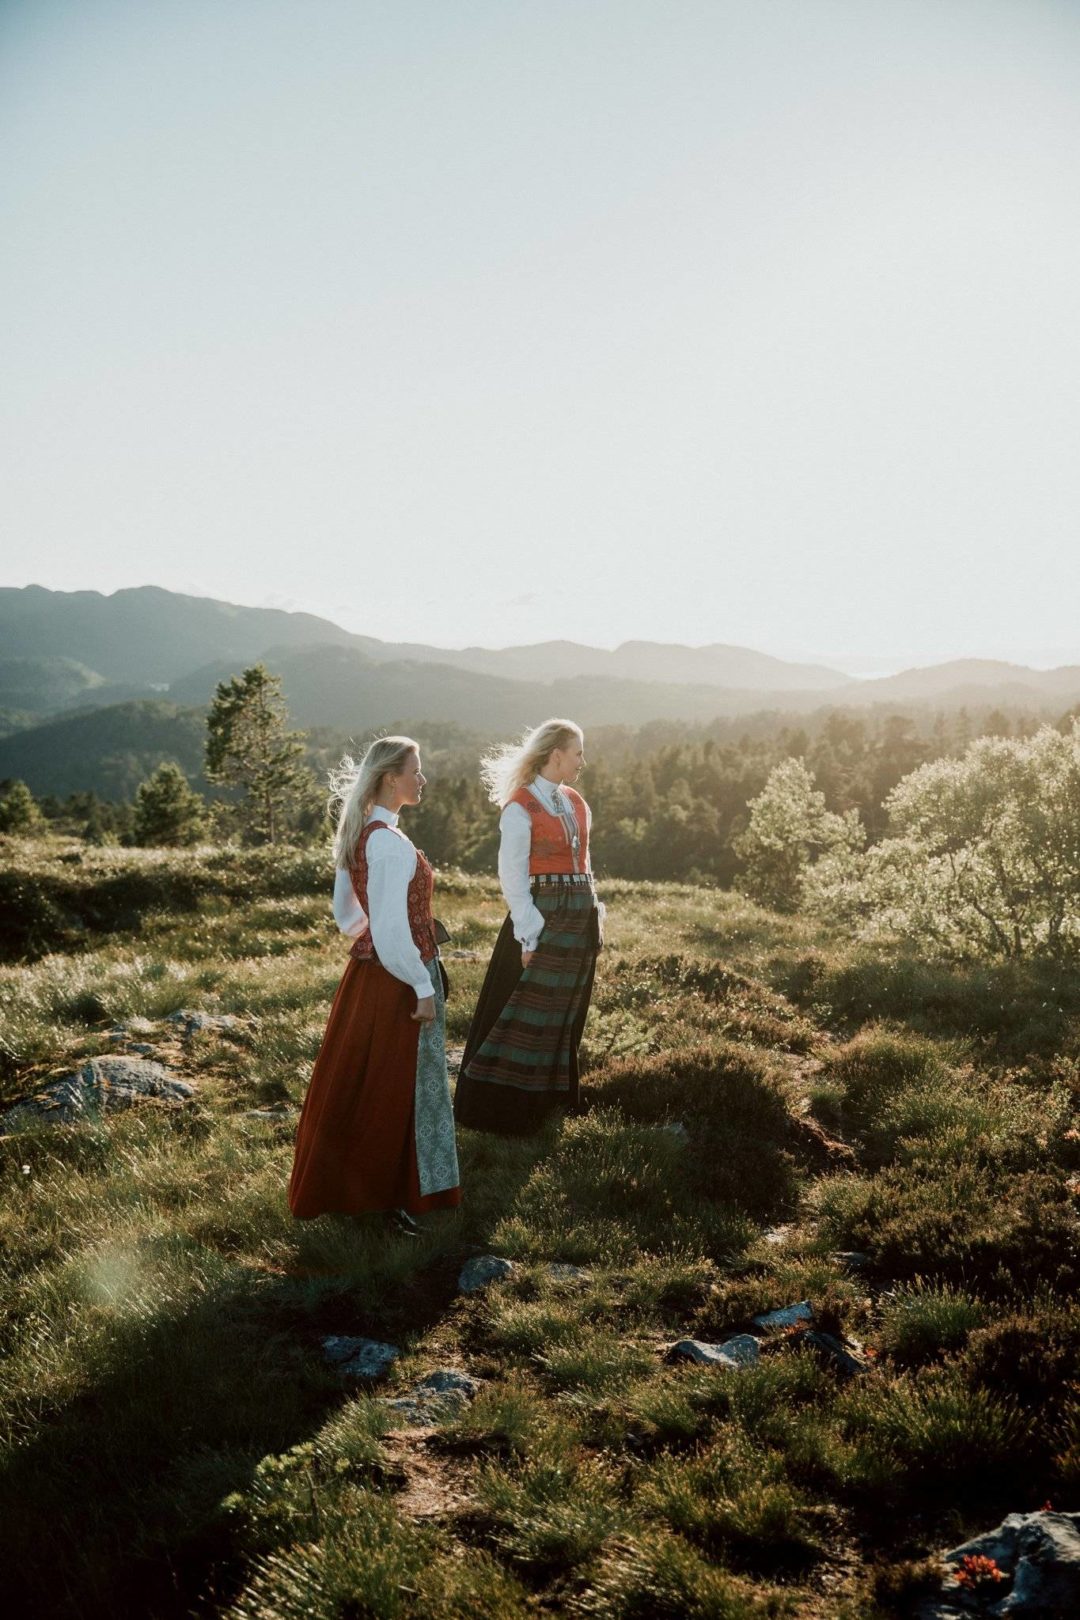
(377, 1129)
(521, 1056)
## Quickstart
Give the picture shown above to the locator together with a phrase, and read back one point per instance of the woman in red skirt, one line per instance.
(377, 1130)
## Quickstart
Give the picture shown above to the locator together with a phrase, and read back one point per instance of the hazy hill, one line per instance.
(341, 686)
(106, 751)
(152, 637)
(83, 649)
(45, 683)
(147, 634)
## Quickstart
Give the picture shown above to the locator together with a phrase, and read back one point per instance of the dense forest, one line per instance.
(669, 800)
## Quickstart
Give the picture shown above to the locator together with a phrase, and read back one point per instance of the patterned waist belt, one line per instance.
(561, 877)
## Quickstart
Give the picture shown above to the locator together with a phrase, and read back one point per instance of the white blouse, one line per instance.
(391, 868)
(515, 841)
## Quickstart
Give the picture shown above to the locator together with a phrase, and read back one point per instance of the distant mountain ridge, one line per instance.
(63, 652)
(150, 635)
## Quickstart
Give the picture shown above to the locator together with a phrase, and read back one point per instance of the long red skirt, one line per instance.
(356, 1144)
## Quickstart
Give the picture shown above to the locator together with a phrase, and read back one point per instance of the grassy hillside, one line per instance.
(895, 1143)
(105, 751)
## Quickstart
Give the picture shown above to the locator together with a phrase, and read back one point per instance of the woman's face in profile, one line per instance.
(570, 761)
(410, 781)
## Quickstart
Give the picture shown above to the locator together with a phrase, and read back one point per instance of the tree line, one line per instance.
(670, 801)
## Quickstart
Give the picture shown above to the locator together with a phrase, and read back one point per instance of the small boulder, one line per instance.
(1038, 1555)
(194, 1022)
(789, 1316)
(678, 1130)
(102, 1085)
(851, 1259)
(483, 1270)
(561, 1271)
(846, 1355)
(741, 1351)
(462, 956)
(359, 1358)
(439, 1396)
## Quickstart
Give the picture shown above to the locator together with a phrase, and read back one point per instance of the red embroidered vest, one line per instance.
(551, 850)
(421, 922)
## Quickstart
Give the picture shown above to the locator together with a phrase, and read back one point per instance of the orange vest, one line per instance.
(551, 850)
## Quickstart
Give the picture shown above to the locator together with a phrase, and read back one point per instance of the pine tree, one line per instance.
(249, 750)
(167, 809)
(18, 811)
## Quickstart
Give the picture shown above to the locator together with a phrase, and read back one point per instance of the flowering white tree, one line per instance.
(983, 856)
(789, 829)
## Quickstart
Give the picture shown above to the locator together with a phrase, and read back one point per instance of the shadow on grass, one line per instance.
(113, 1506)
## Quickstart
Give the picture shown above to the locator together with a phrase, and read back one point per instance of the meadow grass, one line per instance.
(166, 1414)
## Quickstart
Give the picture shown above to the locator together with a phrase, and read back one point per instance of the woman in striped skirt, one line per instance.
(521, 1056)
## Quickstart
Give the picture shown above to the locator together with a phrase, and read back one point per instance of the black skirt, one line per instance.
(521, 1056)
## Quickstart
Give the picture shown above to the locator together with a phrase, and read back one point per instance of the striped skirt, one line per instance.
(521, 1056)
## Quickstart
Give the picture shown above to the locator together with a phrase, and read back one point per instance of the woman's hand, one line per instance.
(425, 1010)
(526, 957)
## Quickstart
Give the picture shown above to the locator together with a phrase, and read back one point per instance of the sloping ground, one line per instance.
(755, 1136)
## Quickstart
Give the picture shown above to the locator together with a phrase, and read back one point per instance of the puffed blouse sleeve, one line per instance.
(349, 914)
(391, 861)
(515, 842)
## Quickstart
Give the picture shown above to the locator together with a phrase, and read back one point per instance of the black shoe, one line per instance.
(401, 1223)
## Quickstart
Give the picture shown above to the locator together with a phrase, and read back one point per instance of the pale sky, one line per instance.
(492, 321)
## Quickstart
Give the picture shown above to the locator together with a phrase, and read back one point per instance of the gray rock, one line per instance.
(142, 1048)
(1039, 1554)
(789, 1316)
(851, 1259)
(282, 1111)
(359, 1358)
(462, 956)
(561, 1271)
(448, 1381)
(484, 1269)
(741, 1351)
(102, 1085)
(774, 1236)
(846, 1355)
(678, 1130)
(195, 1022)
(439, 1396)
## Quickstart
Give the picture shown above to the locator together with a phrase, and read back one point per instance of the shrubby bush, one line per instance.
(788, 831)
(982, 857)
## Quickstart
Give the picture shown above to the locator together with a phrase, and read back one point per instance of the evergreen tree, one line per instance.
(249, 750)
(167, 810)
(18, 812)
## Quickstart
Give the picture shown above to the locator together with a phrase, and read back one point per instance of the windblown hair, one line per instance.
(353, 787)
(514, 765)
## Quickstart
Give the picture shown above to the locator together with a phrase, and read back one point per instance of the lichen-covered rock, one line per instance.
(439, 1396)
(359, 1358)
(1038, 1555)
(483, 1270)
(741, 1351)
(103, 1085)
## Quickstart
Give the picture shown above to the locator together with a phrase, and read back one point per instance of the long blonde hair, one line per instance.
(353, 787)
(513, 765)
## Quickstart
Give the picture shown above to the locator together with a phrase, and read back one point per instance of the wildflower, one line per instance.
(26, 1169)
(977, 1572)
(1047, 1507)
